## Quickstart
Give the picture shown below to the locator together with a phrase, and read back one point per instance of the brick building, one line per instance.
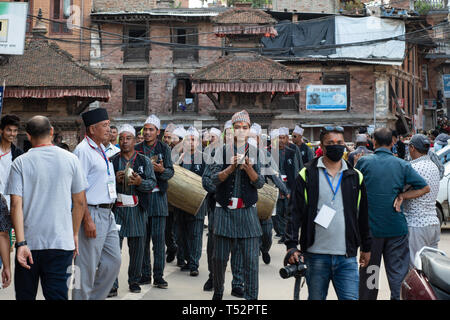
(74, 40)
(150, 77)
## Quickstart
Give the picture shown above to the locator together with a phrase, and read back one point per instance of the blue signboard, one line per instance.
(326, 97)
(446, 80)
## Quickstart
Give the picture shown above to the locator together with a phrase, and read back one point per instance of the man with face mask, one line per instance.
(329, 204)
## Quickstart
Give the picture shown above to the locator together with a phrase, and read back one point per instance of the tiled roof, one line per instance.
(46, 65)
(248, 67)
(244, 16)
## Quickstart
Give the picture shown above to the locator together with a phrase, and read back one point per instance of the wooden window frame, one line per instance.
(175, 96)
(61, 20)
(125, 95)
(146, 49)
(179, 52)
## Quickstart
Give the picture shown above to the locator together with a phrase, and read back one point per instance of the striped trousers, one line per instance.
(155, 233)
(170, 233)
(236, 258)
(136, 252)
(189, 238)
(266, 238)
(248, 250)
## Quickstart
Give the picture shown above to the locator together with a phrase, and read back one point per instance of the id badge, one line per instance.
(325, 215)
(112, 189)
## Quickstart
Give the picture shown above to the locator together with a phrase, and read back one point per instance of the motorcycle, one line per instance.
(430, 277)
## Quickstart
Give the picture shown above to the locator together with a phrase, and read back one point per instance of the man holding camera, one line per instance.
(329, 204)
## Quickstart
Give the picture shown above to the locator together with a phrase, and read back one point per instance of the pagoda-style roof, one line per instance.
(244, 21)
(245, 72)
(47, 71)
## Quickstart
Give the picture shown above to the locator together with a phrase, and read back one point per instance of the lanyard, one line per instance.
(102, 154)
(41, 145)
(331, 185)
(1, 156)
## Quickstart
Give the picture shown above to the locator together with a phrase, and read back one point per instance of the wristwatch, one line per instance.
(20, 244)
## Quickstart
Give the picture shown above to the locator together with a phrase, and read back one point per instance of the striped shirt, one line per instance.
(159, 206)
(133, 219)
(237, 223)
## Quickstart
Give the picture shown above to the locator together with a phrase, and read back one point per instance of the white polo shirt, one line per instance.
(96, 169)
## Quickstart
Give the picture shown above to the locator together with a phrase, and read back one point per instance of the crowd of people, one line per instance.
(333, 201)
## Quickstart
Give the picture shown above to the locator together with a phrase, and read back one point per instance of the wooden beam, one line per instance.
(215, 101)
(84, 104)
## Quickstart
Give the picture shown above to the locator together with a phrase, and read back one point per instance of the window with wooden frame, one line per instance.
(184, 36)
(184, 100)
(338, 79)
(135, 95)
(136, 49)
(59, 14)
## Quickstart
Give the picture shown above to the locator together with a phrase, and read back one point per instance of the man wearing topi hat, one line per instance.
(236, 173)
(99, 260)
(157, 211)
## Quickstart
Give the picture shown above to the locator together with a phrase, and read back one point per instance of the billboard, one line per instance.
(326, 97)
(446, 80)
(13, 21)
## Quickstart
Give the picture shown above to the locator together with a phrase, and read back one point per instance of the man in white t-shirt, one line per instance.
(44, 183)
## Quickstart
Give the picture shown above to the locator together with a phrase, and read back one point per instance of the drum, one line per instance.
(185, 190)
(267, 201)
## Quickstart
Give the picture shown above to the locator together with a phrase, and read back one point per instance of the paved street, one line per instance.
(184, 287)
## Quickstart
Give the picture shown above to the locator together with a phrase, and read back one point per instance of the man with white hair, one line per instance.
(157, 207)
(190, 227)
(297, 139)
(133, 189)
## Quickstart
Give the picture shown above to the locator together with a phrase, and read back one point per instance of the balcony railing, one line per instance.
(429, 5)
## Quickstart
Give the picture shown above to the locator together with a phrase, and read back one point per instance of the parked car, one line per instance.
(442, 204)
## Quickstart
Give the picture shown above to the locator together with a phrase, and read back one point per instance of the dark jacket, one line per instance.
(303, 213)
(160, 149)
(15, 152)
(224, 191)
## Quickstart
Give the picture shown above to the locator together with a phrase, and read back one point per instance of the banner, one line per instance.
(13, 21)
(446, 81)
(326, 97)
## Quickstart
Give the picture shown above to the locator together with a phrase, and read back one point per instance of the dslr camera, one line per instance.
(297, 270)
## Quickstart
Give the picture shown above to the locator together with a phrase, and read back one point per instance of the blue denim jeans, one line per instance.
(342, 271)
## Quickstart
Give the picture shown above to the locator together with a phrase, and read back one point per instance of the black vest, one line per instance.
(160, 148)
(288, 166)
(138, 167)
(224, 191)
(198, 169)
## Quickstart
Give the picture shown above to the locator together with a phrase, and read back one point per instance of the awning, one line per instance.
(98, 94)
(246, 87)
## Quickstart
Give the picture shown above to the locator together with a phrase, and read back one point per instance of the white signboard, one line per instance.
(326, 97)
(13, 21)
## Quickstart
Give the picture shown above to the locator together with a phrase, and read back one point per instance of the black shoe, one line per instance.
(112, 293)
(266, 257)
(217, 296)
(160, 283)
(181, 263)
(185, 268)
(194, 273)
(135, 288)
(237, 292)
(145, 280)
(282, 240)
(171, 256)
(208, 286)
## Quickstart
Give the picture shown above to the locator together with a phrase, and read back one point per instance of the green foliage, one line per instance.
(423, 7)
(353, 5)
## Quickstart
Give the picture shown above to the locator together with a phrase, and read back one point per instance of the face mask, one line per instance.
(334, 152)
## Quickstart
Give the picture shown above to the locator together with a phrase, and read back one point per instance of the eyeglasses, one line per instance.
(331, 128)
